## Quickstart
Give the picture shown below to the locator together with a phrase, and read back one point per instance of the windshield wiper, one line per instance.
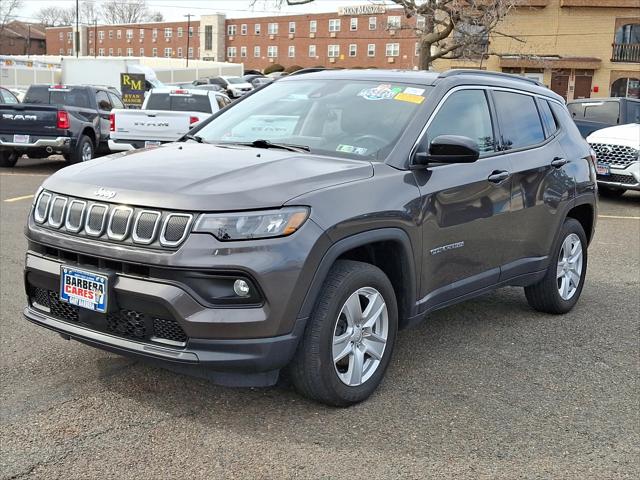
(196, 138)
(261, 143)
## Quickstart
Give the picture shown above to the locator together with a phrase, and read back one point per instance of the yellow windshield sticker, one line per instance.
(409, 97)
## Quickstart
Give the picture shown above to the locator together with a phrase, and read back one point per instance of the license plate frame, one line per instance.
(151, 143)
(603, 169)
(85, 289)
(21, 138)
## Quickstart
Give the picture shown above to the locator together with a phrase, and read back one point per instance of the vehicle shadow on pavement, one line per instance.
(37, 166)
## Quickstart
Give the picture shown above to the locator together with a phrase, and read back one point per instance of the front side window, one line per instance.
(465, 113)
(520, 123)
(347, 118)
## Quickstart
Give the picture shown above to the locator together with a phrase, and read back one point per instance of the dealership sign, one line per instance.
(362, 10)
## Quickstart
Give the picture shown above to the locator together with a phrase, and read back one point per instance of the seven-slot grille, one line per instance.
(615, 155)
(110, 222)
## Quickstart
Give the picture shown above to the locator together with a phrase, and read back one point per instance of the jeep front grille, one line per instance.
(112, 222)
(615, 155)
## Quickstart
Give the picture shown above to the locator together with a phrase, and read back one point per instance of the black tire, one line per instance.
(76, 156)
(312, 371)
(611, 192)
(8, 159)
(544, 296)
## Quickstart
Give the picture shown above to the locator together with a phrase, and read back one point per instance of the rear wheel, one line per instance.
(611, 192)
(83, 152)
(561, 287)
(8, 159)
(349, 339)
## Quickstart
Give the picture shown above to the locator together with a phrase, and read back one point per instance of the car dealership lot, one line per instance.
(488, 388)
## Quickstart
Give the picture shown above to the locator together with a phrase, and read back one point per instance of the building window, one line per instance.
(272, 29)
(333, 51)
(231, 52)
(142, 51)
(417, 52)
(371, 50)
(312, 51)
(334, 25)
(420, 22)
(119, 52)
(101, 52)
(119, 34)
(69, 35)
(180, 32)
(190, 52)
(168, 32)
(243, 29)
(353, 50)
(111, 52)
(129, 52)
(626, 87)
(394, 22)
(392, 50)
(69, 52)
(292, 27)
(256, 29)
(154, 33)
(168, 52)
(142, 33)
(272, 51)
(243, 52)
(61, 37)
(256, 51)
(292, 51)
(353, 24)
(179, 52)
(110, 34)
(129, 34)
(373, 23)
(208, 37)
(231, 30)
(190, 32)
(62, 51)
(313, 26)
(101, 35)
(154, 52)
(91, 51)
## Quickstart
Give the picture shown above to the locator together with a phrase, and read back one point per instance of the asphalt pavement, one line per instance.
(485, 389)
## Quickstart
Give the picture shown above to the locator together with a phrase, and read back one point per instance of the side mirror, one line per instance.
(448, 149)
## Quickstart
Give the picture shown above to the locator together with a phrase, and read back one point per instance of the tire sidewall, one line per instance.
(570, 226)
(76, 157)
(329, 319)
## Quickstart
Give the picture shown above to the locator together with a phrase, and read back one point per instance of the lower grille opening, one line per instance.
(624, 179)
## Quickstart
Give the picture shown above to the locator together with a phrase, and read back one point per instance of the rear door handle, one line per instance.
(499, 176)
(559, 162)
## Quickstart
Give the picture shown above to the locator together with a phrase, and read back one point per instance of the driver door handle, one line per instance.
(559, 162)
(499, 176)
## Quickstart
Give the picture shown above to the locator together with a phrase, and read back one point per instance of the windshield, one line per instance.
(234, 80)
(354, 119)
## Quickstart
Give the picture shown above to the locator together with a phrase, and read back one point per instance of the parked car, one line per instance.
(306, 224)
(7, 97)
(234, 86)
(618, 158)
(260, 81)
(166, 115)
(72, 120)
(591, 114)
(210, 86)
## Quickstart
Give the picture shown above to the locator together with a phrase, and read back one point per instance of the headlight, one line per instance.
(250, 225)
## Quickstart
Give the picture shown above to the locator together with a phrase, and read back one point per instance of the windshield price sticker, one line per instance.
(351, 149)
(382, 92)
(409, 97)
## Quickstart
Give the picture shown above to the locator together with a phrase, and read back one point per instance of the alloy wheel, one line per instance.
(569, 270)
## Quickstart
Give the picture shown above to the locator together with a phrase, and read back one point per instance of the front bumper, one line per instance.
(622, 178)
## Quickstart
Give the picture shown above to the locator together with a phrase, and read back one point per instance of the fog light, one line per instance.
(241, 287)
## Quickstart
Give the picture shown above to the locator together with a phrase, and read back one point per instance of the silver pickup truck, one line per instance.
(166, 115)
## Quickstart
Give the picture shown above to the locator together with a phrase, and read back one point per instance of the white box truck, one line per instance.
(104, 71)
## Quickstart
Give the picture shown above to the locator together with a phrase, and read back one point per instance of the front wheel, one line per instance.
(561, 286)
(349, 339)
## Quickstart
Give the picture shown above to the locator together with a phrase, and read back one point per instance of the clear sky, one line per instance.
(176, 9)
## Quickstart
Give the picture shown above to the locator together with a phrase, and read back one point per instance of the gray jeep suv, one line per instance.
(299, 229)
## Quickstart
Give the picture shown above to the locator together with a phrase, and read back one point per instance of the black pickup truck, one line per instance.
(591, 114)
(57, 119)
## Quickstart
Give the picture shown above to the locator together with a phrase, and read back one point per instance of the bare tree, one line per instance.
(49, 16)
(89, 11)
(128, 11)
(8, 10)
(449, 28)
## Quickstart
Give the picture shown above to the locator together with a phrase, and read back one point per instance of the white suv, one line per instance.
(617, 154)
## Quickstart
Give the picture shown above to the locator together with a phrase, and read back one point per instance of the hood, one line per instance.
(200, 177)
(627, 135)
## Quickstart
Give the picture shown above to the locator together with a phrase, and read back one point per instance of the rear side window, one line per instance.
(103, 101)
(605, 112)
(564, 119)
(633, 112)
(72, 97)
(179, 103)
(547, 118)
(115, 101)
(520, 123)
(465, 113)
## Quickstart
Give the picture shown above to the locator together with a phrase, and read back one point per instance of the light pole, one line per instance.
(188, 15)
(77, 35)
(95, 37)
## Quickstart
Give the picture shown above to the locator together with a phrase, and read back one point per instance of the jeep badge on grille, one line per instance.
(104, 193)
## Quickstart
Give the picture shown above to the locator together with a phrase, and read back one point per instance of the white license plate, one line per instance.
(151, 144)
(84, 289)
(20, 138)
(602, 169)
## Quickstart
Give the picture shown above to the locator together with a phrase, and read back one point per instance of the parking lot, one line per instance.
(485, 389)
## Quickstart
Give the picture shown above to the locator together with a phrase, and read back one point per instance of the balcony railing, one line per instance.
(626, 52)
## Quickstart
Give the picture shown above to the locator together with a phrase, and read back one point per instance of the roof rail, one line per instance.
(468, 71)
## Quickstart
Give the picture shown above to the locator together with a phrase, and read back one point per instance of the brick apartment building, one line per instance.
(22, 38)
(579, 48)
